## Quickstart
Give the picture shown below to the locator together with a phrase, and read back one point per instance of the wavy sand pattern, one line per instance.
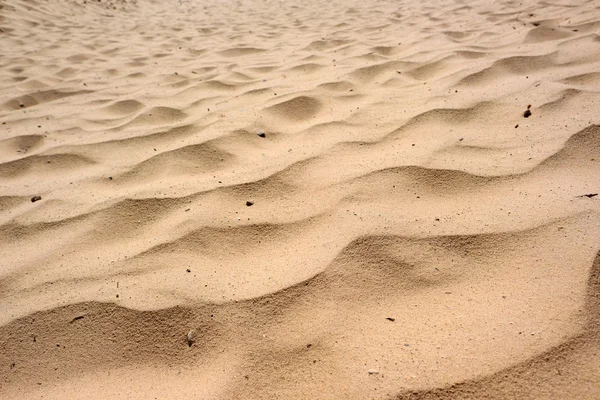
(408, 233)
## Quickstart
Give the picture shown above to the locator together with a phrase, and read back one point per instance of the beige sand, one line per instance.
(412, 235)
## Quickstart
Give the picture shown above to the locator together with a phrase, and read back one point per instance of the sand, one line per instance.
(299, 200)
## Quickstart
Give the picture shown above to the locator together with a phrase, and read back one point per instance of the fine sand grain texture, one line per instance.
(299, 200)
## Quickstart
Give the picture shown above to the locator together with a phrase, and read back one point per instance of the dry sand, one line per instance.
(411, 233)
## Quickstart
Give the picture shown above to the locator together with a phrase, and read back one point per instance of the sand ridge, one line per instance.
(339, 199)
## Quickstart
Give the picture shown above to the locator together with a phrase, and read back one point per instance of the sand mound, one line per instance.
(299, 201)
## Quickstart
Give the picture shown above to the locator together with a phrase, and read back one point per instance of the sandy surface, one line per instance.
(299, 200)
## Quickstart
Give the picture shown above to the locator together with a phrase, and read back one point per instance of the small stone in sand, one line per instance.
(527, 113)
(373, 372)
(36, 198)
(249, 203)
(191, 338)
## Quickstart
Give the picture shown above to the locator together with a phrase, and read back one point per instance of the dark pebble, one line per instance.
(36, 198)
(249, 203)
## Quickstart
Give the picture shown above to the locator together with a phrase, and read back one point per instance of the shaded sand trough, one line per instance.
(411, 234)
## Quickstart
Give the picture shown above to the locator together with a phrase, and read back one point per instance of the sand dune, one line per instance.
(330, 200)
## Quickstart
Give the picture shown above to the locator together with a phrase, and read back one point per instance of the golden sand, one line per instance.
(299, 200)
